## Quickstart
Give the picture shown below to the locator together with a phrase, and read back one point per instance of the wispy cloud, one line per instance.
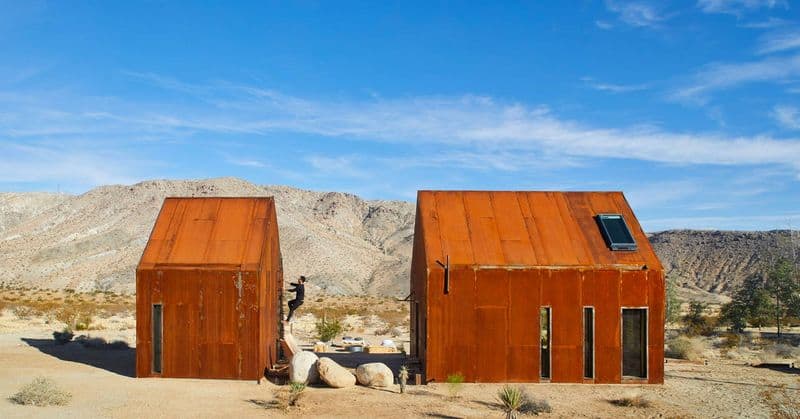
(638, 14)
(770, 23)
(780, 41)
(787, 116)
(613, 88)
(738, 7)
(478, 131)
(719, 76)
(602, 24)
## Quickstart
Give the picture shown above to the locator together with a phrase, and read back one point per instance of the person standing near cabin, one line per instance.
(300, 293)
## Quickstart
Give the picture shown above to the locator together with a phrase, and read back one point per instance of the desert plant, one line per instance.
(328, 329)
(403, 378)
(41, 391)
(682, 347)
(731, 340)
(515, 401)
(63, 337)
(286, 398)
(23, 312)
(636, 400)
(512, 399)
(454, 384)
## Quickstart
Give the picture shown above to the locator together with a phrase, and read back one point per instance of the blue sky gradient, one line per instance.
(691, 108)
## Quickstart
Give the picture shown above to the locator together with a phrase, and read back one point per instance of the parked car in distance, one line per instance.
(352, 341)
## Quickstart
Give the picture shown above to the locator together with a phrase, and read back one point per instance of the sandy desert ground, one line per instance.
(102, 385)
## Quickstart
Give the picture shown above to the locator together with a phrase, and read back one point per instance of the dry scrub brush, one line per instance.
(515, 401)
(41, 391)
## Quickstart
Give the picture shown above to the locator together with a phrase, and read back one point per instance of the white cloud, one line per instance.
(613, 88)
(780, 41)
(787, 116)
(477, 131)
(603, 24)
(737, 7)
(771, 22)
(639, 14)
(716, 77)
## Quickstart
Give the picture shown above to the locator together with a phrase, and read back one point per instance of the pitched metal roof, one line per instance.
(209, 232)
(504, 228)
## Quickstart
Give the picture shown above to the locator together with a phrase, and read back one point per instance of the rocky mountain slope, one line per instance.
(718, 261)
(344, 244)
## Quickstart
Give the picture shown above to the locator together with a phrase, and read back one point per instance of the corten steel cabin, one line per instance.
(535, 287)
(208, 290)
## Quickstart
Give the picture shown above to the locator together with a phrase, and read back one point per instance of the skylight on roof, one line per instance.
(615, 232)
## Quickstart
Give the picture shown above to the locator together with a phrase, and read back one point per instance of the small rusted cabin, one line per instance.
(535, 287)
(208, 290)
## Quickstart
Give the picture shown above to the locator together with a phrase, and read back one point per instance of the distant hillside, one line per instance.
(718, 261)
(346, 245)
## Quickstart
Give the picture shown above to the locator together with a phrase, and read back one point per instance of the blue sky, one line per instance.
(691, 108)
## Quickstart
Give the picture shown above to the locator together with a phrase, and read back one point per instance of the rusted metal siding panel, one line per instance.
(453, 228)
(436, 346)
(608, 367)
(483, 231)
(491, 308)
(523, 325)
(143, 324)
(562, 290)
(515, 241)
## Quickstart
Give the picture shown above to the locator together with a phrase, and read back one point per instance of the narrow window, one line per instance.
(588, 342)
(634, 342)
(544, 344)
(157, 338)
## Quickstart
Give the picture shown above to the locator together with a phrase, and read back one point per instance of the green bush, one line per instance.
(41, 392)
(454, 384)
(328, 329)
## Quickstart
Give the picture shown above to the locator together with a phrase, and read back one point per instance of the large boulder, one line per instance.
(303, 368)
(334, 374)
(374, 374)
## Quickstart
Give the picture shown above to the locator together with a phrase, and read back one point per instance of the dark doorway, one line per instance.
(588, 342)
(544, 344)
(634, 342)
(157, 338)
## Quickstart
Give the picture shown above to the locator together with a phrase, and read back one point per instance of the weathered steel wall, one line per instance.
(487, 326)
(214, 265)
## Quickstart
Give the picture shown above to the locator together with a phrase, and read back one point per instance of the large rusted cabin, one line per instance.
(535, 287)
(208, 290)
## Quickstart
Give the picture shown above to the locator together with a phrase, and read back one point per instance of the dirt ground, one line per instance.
(102, 385)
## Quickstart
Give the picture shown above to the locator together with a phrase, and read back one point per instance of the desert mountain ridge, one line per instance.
(344, 244)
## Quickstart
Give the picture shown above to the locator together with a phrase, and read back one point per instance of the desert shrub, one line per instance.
(41, 391)
(682, 347)
(23, 312)
(731, 340)
(515, 401)
(288, 397)
(780, 351)
(328, 329)
(696, 322)
(382, 331)
(63, 337)
(455, 382)
(636, 400)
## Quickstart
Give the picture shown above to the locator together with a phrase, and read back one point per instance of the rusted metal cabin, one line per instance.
(535, 287)
(208, 290)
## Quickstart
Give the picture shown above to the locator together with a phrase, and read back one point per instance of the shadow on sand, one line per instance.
(118, 361)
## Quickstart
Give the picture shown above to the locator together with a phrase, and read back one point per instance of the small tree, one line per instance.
(783, 288)
(695, 320)
(673, 303)
(328, 329)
